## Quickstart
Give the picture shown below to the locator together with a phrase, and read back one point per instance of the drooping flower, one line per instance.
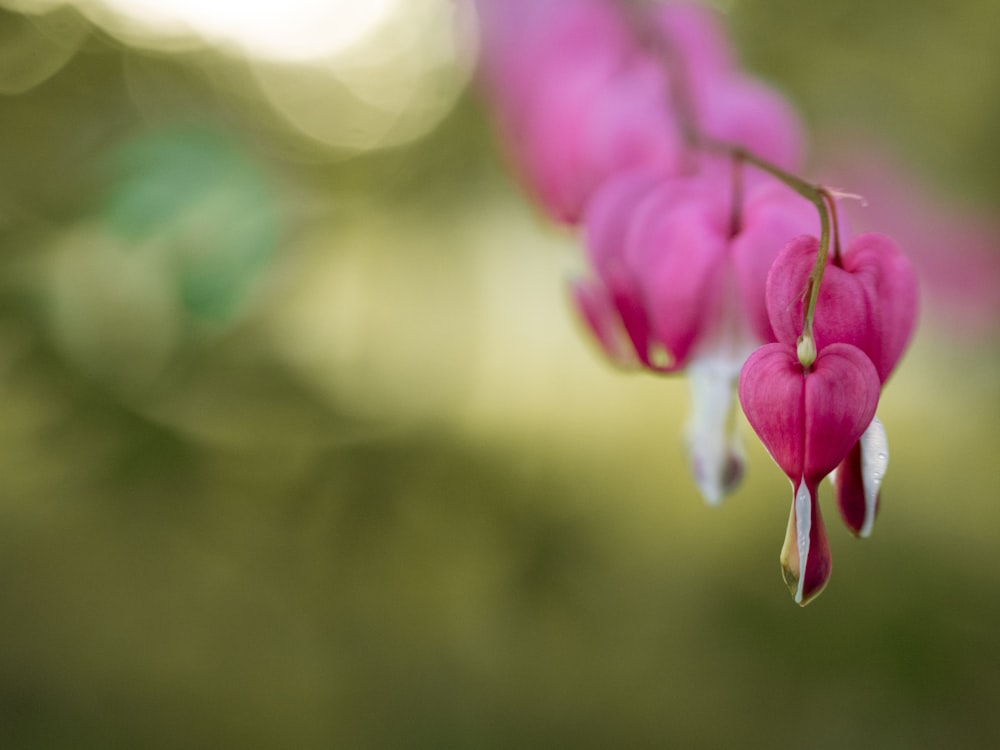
(726, 104)
(575, 98)
(680, 266)
(635, 121)
(868, 298)
(808, 419)
(582, 96)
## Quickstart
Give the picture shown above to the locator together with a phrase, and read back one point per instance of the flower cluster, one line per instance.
(707, 254)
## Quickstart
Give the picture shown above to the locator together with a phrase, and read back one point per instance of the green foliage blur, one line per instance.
(300, 446)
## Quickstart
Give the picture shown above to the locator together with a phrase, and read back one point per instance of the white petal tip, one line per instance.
(874, 462)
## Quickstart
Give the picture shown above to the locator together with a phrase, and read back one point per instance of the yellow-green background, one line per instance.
(363, 483)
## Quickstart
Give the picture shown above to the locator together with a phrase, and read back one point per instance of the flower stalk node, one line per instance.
(805, 349)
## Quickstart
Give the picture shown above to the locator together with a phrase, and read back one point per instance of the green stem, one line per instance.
(818, 196)
(832, 205)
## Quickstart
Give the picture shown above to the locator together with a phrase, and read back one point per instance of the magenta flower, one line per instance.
(808, 419)
(727, 104)
(575, 97)
(635, 121)
(581, 98)
(679, 285)
(868, 298)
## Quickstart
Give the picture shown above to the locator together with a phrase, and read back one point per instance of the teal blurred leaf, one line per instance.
(198, 197)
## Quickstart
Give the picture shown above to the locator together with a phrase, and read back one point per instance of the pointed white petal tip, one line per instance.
(714, 446)
(874, 462)
(803, 524)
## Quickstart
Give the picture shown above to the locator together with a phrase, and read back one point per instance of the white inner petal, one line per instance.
(714, 446)
(874, 462)
(803, 523)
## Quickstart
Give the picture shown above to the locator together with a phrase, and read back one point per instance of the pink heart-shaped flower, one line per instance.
(868, 300)
(808, 419)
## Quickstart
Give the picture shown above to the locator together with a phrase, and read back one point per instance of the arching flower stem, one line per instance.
(821, 198)
(831, 203)
(638, 16)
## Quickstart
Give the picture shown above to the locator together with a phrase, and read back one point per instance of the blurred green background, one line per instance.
(300, 446)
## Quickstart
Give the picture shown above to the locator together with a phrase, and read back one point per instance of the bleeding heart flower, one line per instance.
(808, 419)
(868, 298)
(728, 105)
(581, 97)
(679, 285)
(635, 121)
(576, 98)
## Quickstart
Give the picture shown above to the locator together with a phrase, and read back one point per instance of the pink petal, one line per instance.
(549, 147)
(544, 64)
(772, 216)
(890, 284)
(745, 112)
(680, 260)
(696, 37)
(577, 97)
(841, 393)
(631, 308)
(808, 421)
(600, 315)
(608, 220)
(592, 125)
(610, 212)
(630, 126)
(772, 393)
(728, 106)
(842, 310)
(870, 301)
(526, 45)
